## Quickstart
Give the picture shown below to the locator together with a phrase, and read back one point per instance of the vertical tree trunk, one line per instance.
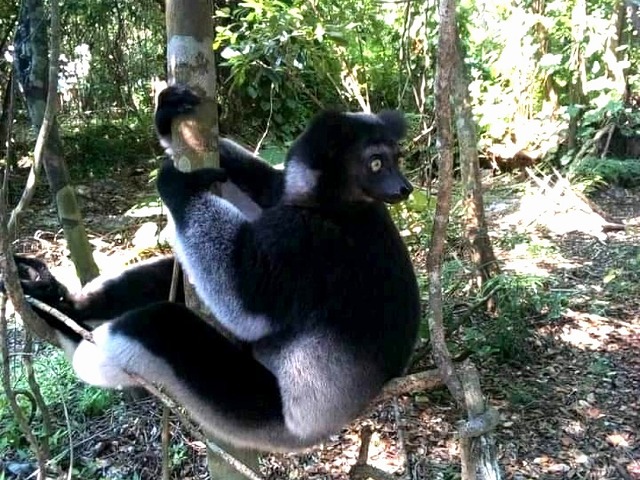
(190, 60)
(444, 120)
(32, 68)
(477, 452)
(550, 98)
(5, 119)
(579, 71)
(475, 224)
(613, 54)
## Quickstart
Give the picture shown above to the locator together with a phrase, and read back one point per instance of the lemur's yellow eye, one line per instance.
(375, 164)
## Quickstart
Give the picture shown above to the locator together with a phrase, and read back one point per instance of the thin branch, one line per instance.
(416, 382)
(605, 150)
(11, 278)
(27, 360)
(175, 276)
(268, 126)
(165, 424)
(10, 112)
(21, 419)
(83, 332)
(165, 441)
(68, 422)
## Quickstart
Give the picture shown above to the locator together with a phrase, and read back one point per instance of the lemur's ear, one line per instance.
(395, 122)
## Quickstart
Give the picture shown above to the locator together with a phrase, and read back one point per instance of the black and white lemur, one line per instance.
(308, 272)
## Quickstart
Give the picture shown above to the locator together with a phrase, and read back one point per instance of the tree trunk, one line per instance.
(32, 67)
(475, 224)
(445, 141)
(477, 452)
(579, 71)
(190, 60)
(614, 56)
(550, 99)
(5, 119)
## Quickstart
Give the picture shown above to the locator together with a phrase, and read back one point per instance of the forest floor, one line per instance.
(570, 410)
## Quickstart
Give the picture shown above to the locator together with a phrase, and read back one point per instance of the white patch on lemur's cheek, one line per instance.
(300, 180)
(93, 364)
(167, 145)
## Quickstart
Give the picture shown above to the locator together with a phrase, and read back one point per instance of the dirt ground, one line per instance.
(572, 411)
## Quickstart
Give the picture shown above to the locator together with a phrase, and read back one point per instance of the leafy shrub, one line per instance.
(96, 149)
(518, 298)
(611, 171)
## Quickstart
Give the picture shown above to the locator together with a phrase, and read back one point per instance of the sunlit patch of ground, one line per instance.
(574, 410)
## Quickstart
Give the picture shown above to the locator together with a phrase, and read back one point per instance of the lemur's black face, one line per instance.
(379, 176)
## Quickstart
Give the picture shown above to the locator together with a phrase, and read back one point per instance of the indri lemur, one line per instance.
(313, 280)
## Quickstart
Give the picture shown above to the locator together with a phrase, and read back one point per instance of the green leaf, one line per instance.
(418, 201)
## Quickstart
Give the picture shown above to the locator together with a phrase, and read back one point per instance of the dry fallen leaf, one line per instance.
(617, 440)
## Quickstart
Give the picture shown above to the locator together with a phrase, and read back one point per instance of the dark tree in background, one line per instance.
(32, 65)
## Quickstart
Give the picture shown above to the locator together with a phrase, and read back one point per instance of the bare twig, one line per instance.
(175, 276)
(165, 441)
(10, 111)
(165, 424)
(68, 422)
(83, 332)
(266, 129)
(605, 150)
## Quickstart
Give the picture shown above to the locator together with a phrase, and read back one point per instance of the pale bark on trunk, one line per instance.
(191, 61)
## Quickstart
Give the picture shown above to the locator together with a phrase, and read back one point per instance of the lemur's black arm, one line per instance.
(262, 183)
